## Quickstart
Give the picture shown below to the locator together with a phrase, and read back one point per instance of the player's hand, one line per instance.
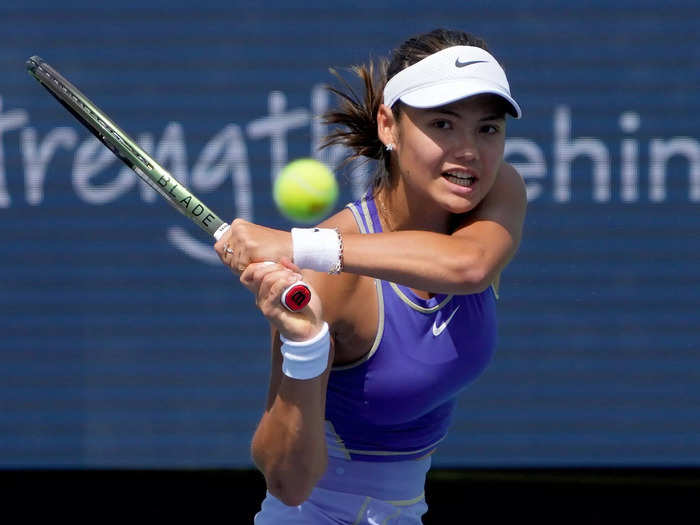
(245, 242)
(267, 281)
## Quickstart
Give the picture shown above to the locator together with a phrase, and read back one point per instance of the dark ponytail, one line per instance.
(355, 119)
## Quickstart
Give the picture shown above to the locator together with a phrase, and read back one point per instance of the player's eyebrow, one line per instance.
(494, 116)
(443, 111)
(490, 116)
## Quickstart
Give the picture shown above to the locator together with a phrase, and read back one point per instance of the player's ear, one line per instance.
(386, 125)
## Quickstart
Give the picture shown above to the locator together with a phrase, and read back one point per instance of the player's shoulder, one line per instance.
(507, 193)
(509, 177)
(506, 201)
(343, 220)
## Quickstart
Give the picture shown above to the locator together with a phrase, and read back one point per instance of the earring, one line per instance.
(389, 147)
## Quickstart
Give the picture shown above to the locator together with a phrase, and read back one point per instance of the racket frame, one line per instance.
(294, 298)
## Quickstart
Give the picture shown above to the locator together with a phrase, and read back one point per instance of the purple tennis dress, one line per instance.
(387, 412)
(397, 402)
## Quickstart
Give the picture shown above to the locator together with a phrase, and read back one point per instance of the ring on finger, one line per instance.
(228, 249)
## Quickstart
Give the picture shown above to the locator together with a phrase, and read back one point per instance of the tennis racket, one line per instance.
(130, 153)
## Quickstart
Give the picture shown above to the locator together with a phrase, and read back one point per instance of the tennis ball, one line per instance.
(305, 190)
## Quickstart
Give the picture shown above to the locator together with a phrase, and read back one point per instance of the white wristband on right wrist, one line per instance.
(319, 249)
(306, 359)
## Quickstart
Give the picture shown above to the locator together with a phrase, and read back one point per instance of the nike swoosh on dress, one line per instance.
(437, 330)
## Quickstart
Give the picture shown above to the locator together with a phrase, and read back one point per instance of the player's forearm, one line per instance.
(423, 260)
(289, 444)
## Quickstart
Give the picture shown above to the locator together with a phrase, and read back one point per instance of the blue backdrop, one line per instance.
(123, 343)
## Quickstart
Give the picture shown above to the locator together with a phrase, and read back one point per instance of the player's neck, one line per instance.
(399, 210)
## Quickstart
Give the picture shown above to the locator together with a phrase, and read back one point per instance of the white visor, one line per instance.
(447, 76)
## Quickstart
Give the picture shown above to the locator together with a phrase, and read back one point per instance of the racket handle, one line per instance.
(221, 230)
(295, 297)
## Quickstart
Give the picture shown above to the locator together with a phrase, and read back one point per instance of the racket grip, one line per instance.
(296, 296)
(221, 230)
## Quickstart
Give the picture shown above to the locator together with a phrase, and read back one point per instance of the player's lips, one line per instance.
(462, 178)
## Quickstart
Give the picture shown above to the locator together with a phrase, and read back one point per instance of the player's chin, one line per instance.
(461, 204)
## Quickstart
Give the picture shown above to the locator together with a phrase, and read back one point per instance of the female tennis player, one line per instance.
(364, 379)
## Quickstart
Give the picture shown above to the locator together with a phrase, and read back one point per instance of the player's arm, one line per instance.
(467, 261)
(289, 445)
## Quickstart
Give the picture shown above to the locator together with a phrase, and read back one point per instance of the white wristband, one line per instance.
(319, 249)
(306, 359)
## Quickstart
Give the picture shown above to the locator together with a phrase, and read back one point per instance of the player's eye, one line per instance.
(490, 129)
(442, 124)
